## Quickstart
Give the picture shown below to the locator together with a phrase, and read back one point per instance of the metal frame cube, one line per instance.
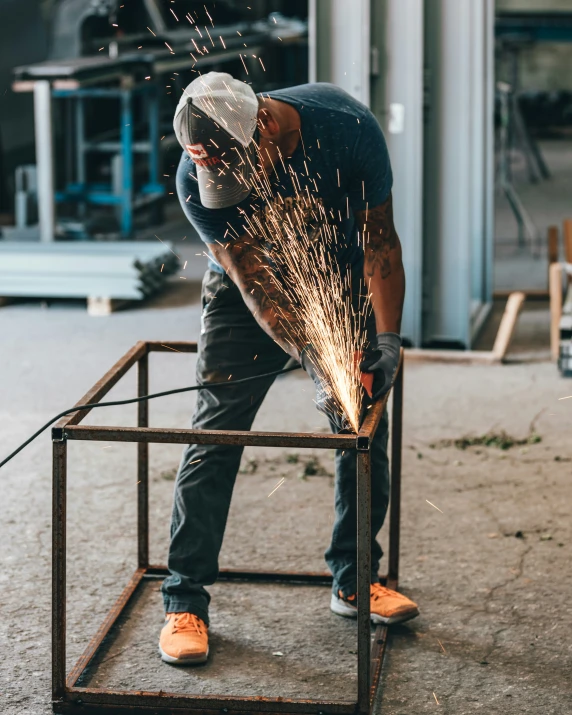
(67, 697)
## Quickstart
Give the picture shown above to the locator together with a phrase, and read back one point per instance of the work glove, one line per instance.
(382, 360)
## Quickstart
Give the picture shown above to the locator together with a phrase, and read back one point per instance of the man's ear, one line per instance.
(267, 124)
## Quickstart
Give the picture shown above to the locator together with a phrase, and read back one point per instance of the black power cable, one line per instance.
(206, 386)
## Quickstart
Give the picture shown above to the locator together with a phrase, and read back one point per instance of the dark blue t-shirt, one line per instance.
(343, 151)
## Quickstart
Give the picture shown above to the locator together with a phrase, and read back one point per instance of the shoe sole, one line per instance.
(197, 660)
(340, 608)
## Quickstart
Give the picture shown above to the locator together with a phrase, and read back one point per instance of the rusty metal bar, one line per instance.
(363, 578)
(143, 465)
(82, 708)
(190, 436)
(375, 413)
(395, 495)
(59, 504)
(377, 653)
(177, 346)
(370, 423)
(114, 613)
(201, 703)
(103, 386)
(316, 578)
(380, 640)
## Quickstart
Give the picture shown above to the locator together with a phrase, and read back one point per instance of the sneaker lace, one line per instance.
(378, 591)
(188, 623)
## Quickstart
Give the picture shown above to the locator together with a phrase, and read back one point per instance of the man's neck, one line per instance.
(290, 123)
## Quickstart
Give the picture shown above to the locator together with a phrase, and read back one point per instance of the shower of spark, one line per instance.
(296, 236)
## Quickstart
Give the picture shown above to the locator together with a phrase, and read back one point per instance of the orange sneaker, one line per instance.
(184, 639)
(386, 606)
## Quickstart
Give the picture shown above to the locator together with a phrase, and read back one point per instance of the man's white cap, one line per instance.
(215, 123)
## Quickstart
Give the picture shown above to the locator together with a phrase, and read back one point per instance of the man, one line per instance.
(336, 147)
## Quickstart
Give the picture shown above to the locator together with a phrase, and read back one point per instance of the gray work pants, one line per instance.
(230, 340)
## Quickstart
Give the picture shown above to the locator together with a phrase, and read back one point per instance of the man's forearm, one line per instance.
(272, 313)
(383, 267)
(249, 270)
(387, 296)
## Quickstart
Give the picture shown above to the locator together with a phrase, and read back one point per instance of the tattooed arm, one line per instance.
(249, 270)
(383, 269)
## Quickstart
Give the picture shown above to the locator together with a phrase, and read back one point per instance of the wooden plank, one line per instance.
(531, 294)
(507, 325)
(472, 357)
(98, 306)
(553, 247)
(23, 85)
(555, 280)
(469, 357)
(568, 240)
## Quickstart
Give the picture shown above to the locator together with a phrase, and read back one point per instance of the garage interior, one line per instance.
(475, 100)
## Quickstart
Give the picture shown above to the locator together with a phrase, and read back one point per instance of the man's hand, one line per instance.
(383, 362)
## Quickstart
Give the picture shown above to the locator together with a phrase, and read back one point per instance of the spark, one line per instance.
(151, 31)
(244, 64)
(443, 649)
(565, 398)
(433, 505)
(176, 18)
(280, 483)
(438, 703)
(209, 17)
(185, 266)
(222, 42)
(296, 239)
(196, 461)
(164, 244)
(170, 48)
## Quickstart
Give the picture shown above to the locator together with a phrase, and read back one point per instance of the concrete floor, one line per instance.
(490, 570)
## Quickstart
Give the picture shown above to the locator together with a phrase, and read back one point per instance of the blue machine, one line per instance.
(122, 193)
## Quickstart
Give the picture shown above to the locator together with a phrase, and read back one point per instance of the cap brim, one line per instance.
(227, 186)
